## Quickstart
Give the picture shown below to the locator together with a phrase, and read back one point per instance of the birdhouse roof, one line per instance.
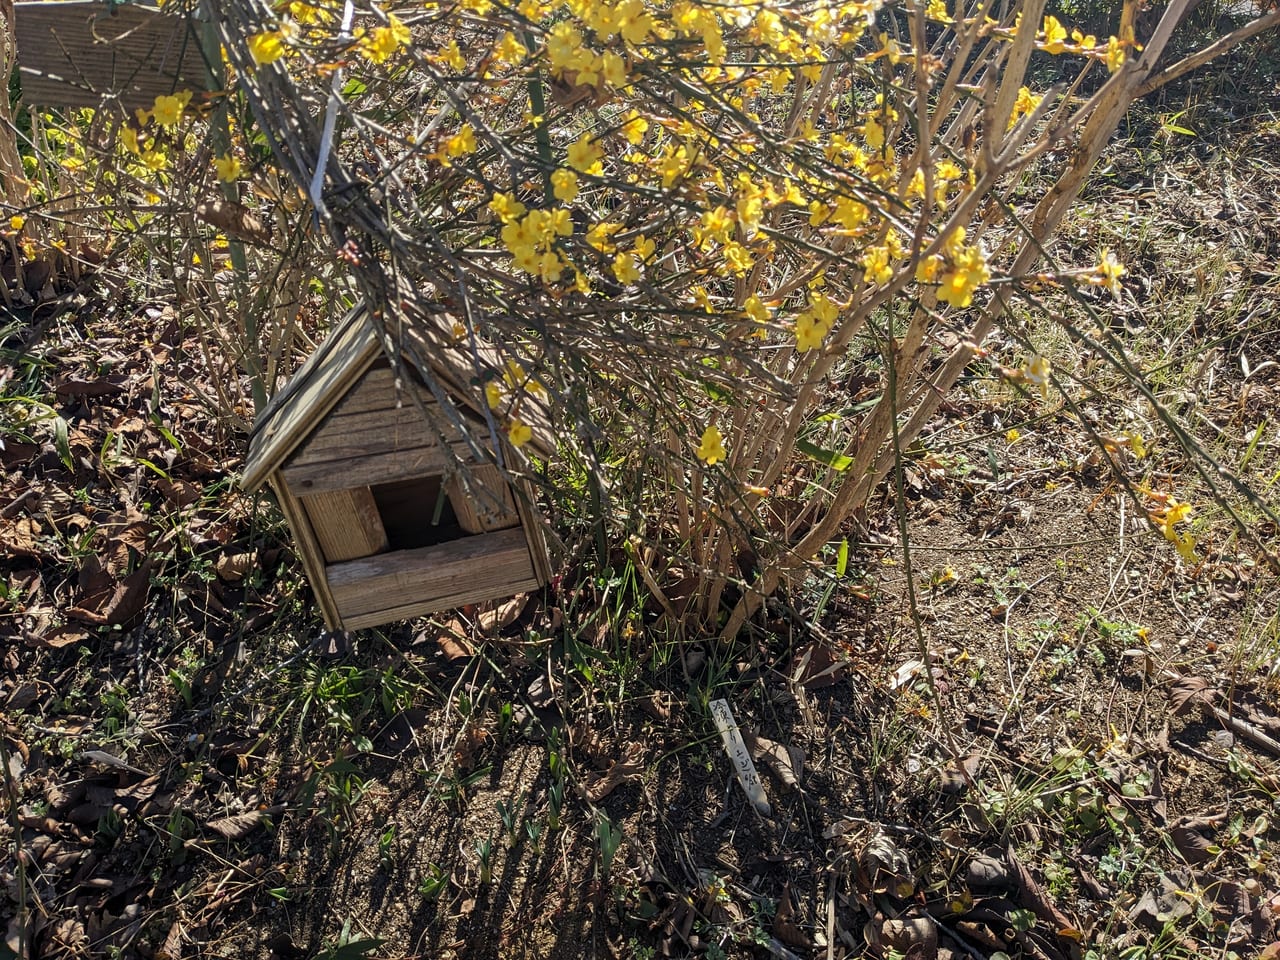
(339, 363)
(73, 53)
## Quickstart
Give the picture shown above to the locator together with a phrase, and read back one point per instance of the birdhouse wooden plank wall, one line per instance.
(386, 525)
(76, 53)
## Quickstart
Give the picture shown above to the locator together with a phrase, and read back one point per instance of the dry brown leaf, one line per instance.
(470, 740)
(495, 617)
(784, 925)
(171, 949)
(233, 218)
(784, 760)
(242, 824)
(234, 566)
(1191, 843)
(125, 602)
(630, 767)
(816, 665)
(453, 646)
(1033, 898)
(180, 493)
(1188, 693)
(21, 537)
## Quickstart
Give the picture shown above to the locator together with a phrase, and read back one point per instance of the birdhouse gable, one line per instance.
(393, 512)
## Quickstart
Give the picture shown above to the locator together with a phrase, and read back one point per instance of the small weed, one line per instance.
(434, 883)
(347, 947)
(608, 838)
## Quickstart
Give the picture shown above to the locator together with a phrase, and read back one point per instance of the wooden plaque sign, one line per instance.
(76, 53)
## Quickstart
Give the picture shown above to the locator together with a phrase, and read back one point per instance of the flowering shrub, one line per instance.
(678, 221)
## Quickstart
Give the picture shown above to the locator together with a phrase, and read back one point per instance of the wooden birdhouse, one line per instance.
(364, 466)
(76, 53)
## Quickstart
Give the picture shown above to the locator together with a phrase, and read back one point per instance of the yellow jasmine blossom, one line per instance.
(519, 433)
(381, 42)
(585, 156)
(493, 395)
(507, 207)
(564, 184)
(711, 451)
(1055, 36)
(510, 49)
(644, 248)
(876, 267)
(634, 128)
(737, 258)
(756, 309)
(167, 110)
(266, 47)
(227, 168)
(1037, 373)
(1110, 270)
(1176, 512)
(1115, 54)
(626, 269)
(460, 144)
(600, 236)
(1025, 104)
(969, 271)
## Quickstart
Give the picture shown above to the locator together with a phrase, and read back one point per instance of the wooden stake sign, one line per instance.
(76, 53)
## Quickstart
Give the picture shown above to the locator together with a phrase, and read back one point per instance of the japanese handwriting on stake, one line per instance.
(741, 757)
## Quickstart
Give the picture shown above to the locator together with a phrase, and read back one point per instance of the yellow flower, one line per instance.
(626, 269)
(564, 184)
(809, 334)
(600, 236)
(969, 271)
(266, 47)
(755, 309)
(451, 56)
(1110, 270)
(711, 451)
(460, 144)
(1037, 373)
(17, 222)
(1115, 54)
(644, 248)
(585, 156)
(1176, 512)
(510, 49)
(167, 110)
(519, 433)
(1055, 36)
(227, 167)
(1025, 104)
(737, 258)
(634, 128)
(155, 160)
(381, 42)
(876, 267)
(937, 10)
(507, 207)
(493, 395)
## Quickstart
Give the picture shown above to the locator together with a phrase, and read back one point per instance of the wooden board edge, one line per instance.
(260, 463)
(309, 550)
(535, 538)
(424, 607)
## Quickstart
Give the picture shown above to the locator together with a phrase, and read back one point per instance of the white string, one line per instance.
(331, 115)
